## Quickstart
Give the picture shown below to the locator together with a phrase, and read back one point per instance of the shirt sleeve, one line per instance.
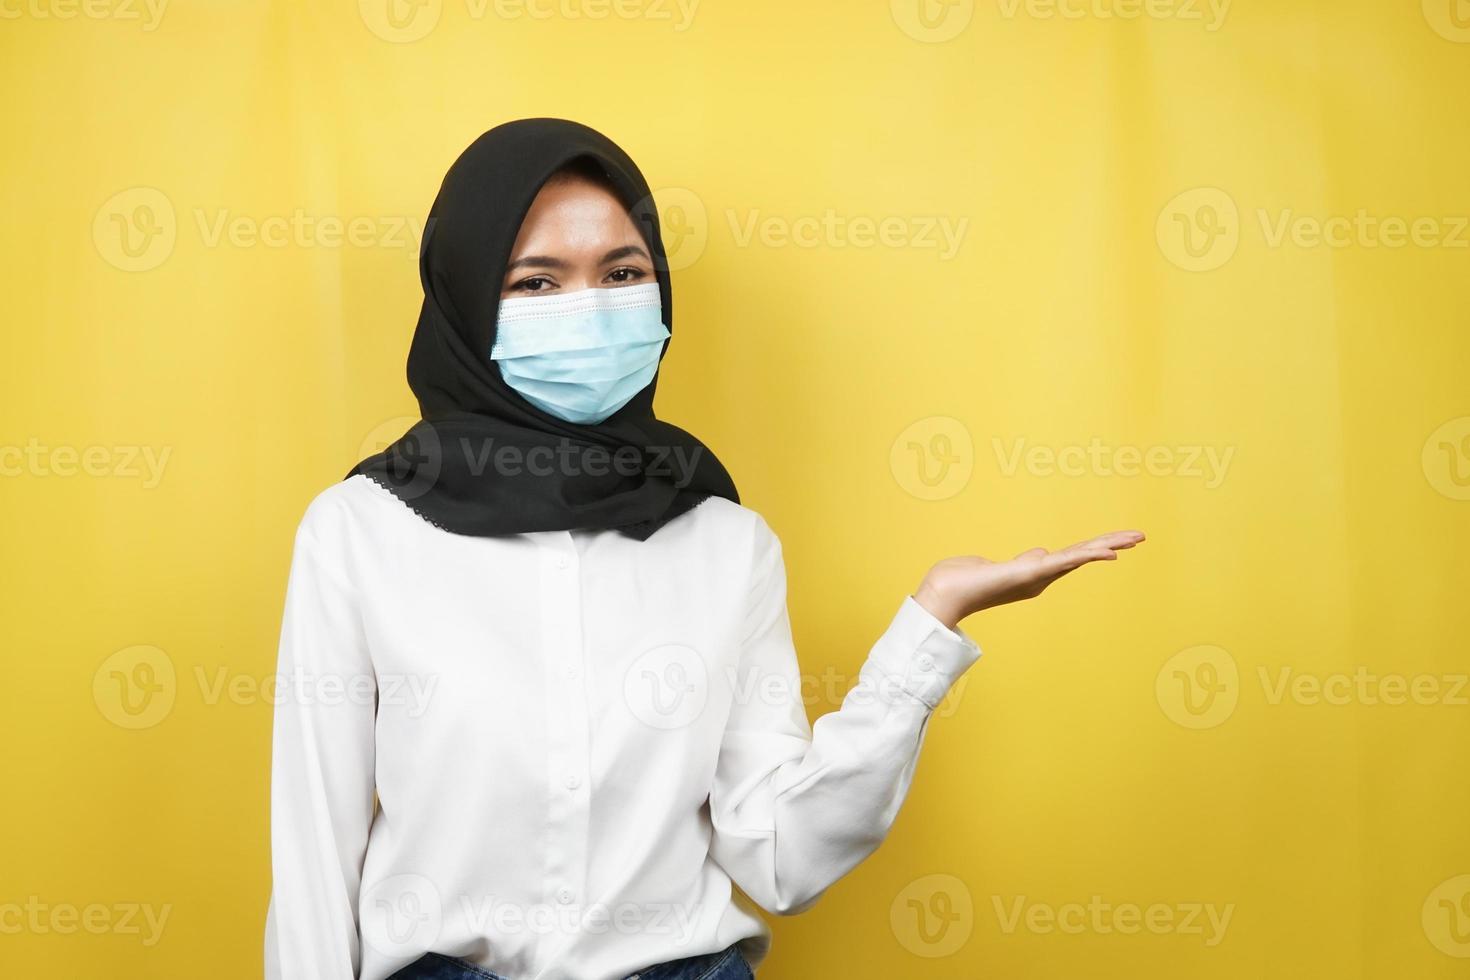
(322, 761)
(795, 806)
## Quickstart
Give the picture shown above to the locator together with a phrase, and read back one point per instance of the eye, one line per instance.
(533, 284)
(626, 274)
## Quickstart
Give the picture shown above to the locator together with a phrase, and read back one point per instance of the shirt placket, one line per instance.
(567, 728)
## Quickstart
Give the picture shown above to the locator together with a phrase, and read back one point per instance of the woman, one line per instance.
(545, 709)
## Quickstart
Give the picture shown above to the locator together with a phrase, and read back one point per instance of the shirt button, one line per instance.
(926, 662)
(564, 896)
(573, 782)
(562, 561)
(569, 671)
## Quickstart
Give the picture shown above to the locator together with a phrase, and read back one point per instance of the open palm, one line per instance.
(958, 587)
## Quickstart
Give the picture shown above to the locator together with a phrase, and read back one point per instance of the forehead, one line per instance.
(574, 212)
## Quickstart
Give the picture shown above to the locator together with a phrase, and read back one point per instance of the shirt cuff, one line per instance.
(920, 656)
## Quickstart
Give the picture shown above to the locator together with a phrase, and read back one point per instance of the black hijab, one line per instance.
(483, 460)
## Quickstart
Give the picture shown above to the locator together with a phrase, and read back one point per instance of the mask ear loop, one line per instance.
(644, 213)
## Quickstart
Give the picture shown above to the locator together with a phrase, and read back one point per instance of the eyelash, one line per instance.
(524, 285)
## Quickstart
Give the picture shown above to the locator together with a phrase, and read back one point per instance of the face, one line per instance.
(577, 235)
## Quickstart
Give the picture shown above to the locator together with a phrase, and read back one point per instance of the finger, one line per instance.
(1104, 547)
(1061, 562)
(1114, 540)
(1118, 540)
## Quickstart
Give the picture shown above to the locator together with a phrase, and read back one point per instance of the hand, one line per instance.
(957, 587)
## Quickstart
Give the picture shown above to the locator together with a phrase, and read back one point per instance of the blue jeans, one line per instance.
(725, 964)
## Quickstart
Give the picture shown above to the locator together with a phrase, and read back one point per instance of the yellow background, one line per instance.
(867, 395)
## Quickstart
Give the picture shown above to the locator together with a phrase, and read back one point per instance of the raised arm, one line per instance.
(795, 806)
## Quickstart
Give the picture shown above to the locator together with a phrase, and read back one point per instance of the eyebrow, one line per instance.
(552, 262)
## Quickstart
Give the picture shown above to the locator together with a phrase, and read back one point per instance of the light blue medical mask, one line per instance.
(581, 356)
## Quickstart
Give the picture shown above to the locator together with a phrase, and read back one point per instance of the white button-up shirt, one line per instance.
(553, 753)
